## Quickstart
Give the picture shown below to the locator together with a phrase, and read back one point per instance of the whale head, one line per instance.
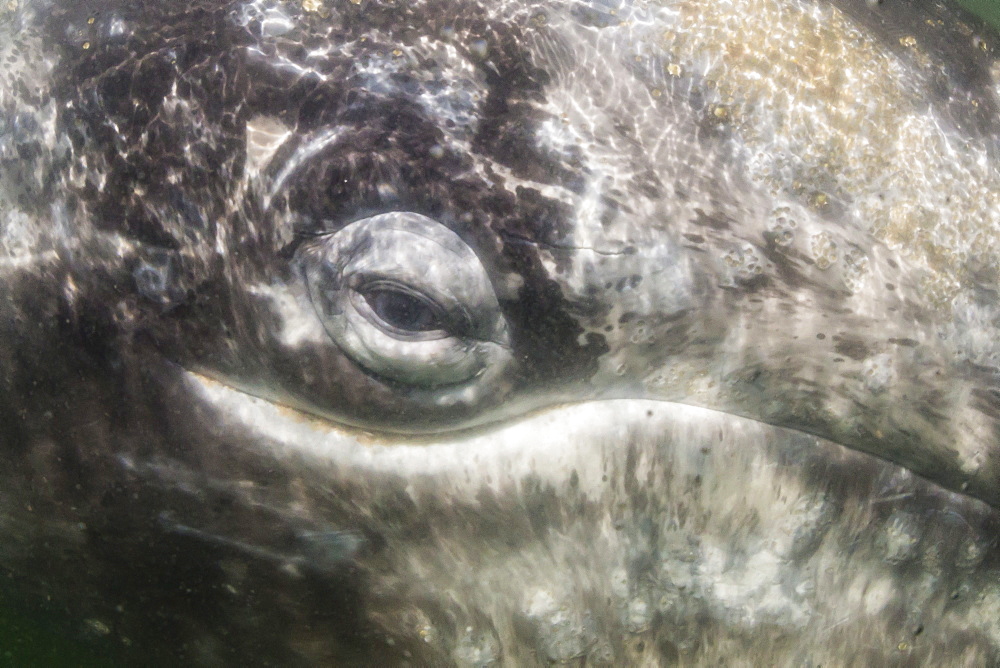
(467, 333)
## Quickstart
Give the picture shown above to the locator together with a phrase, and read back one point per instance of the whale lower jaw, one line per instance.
(633, 530)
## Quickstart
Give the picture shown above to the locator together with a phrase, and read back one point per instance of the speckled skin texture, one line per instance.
(745, 254)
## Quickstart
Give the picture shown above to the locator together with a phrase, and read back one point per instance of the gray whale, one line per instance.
(461, 333)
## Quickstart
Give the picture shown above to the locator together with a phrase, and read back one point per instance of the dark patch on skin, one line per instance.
(716, 220)
(986, 295)
(988, 373)
(853, 347)
(806, 382)
(754, 283)
(649, 185)
(668, 652)
(785, 264)
(785, 261)
(541, 219)
(987, 402)
(142, 144)
(909, 343)
(673, 317)
(542, 505)
(695, 238)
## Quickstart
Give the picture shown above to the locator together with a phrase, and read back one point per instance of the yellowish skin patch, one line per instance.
(825, 103)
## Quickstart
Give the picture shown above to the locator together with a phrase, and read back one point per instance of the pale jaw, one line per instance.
(642, 530)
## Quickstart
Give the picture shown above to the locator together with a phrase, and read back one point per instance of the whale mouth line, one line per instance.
(552, 443)
(266, 415)
(555, 436)
(558, 434)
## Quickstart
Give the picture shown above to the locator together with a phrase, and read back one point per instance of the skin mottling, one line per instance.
(820, 103)
(768, 559)
(740, 257)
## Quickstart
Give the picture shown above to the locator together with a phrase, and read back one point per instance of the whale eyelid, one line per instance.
(407, 300)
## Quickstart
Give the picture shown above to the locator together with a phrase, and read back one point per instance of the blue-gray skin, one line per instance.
(502, 333)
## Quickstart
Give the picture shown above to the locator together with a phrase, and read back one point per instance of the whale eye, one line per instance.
(407, 300)
(399, 309)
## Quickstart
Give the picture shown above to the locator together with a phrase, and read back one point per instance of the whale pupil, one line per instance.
(402, 310)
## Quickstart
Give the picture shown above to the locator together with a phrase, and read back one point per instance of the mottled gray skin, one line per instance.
(745, 406)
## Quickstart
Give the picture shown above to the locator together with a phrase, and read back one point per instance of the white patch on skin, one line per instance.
(27, 70)
(21, 238)
(476, 647)
(299, 323)
(27, 261)
(878, 373)
(264, 135)
(973, 331)
(900, 537)
(508, 451)
(283, 64)
(562, 627)
(307, 151)
(878, 595)
(751, 593)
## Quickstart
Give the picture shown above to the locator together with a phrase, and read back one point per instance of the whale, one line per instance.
(523, 332)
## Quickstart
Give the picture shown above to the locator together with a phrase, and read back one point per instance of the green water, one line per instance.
(31, 639)
(988, 9)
